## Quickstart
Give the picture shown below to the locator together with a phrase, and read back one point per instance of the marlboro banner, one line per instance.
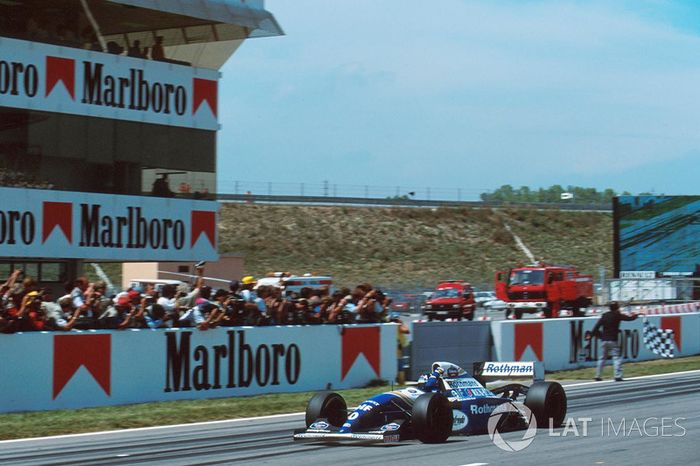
(68, 370)
(71, 225)
(47, 77)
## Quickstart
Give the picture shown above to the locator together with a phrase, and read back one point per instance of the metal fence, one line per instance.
(327, 189)
(657, 290)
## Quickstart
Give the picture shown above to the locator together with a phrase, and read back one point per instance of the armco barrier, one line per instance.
(462, 343)
(43, 371)
(560, 343)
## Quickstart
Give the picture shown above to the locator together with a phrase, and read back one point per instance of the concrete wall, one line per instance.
(462, 343)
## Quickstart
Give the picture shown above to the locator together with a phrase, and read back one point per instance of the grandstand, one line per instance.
(108, 121)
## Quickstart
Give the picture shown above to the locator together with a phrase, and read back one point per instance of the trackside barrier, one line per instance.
(44, 371)
(462, 343)
(560, 343)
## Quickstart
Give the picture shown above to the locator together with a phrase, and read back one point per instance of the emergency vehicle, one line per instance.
(544, 287)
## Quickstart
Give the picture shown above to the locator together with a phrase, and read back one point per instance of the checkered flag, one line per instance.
(659, 341)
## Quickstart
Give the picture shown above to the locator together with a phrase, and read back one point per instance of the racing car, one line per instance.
(448, 401)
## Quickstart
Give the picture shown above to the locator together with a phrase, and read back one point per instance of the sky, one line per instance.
(467, 94)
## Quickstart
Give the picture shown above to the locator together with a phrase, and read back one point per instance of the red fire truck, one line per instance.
(544, 287)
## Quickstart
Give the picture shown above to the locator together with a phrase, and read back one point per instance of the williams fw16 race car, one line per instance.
(447, 402)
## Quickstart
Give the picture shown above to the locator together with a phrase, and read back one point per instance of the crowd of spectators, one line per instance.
(18, 179)
(26, 306)
(66, 31)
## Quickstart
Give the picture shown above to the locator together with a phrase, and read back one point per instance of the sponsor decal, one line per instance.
(18, 79)
(204, 90)
(459, 420)
(234, 363)
(528, 335)
(57, 214)
(463, 383)
(131, 230)
(320, 425)
(131, 91)
(204, 221)
(482, 409)
(60, 70)
(582, 349)
(390, 427)
(508, 369)
(17, 226)
(391, 438)
(357, 341)
(70, 352)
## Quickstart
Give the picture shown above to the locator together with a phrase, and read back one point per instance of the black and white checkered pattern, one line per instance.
(659, 341)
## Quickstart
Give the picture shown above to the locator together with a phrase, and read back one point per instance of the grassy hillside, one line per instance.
(409, 247)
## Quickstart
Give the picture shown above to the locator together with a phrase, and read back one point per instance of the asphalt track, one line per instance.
(669, 405)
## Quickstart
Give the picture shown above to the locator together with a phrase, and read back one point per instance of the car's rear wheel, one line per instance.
(432, 418)
(328, 405)
(547, 401)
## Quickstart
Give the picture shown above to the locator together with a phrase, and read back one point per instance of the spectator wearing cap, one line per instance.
(30, 316)
(125, 310)
(247, 285)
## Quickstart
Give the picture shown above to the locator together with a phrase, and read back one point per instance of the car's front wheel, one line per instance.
(547, 401)
(328, 405)
(432, 418)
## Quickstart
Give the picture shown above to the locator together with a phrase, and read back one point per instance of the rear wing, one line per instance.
(492, 371)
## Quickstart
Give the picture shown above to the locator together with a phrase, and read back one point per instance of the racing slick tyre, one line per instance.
(432, 418)
(547, 400)
(328, 405)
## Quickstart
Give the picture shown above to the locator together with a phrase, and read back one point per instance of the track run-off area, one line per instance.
(642, 420)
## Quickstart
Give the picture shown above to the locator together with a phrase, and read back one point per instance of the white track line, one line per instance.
(141, 429)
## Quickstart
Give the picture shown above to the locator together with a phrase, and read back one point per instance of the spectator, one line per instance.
(136, 51)
(157, 51)
(114, 48)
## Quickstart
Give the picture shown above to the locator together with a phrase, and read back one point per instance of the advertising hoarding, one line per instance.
(70, 225)
(101, 368)
(52, 78)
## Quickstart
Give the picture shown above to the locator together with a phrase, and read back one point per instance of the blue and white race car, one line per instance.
(447, 402)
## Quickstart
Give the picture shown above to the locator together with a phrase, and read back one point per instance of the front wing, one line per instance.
(313, 435)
